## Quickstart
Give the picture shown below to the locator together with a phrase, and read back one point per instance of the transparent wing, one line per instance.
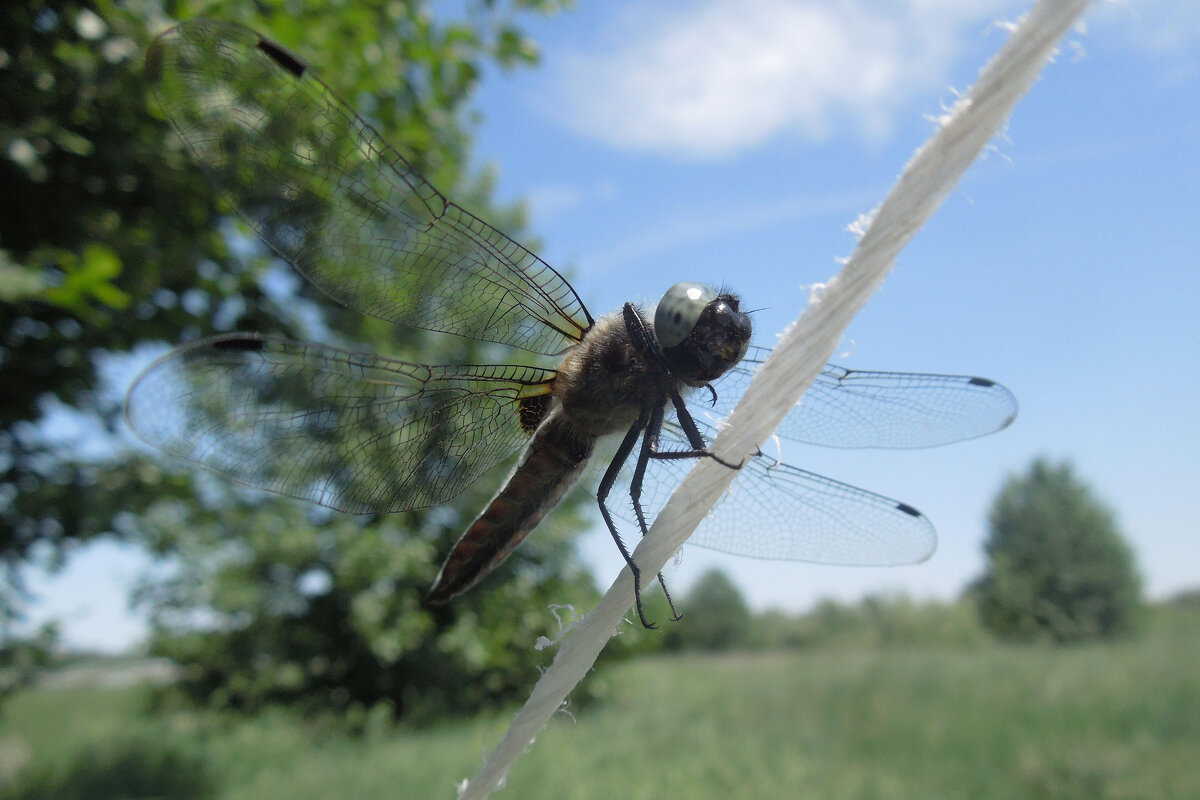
(780, 512)
(857, 408)
(320, 187)
(351, 431)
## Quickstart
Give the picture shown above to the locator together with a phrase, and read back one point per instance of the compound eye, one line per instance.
(679, 310)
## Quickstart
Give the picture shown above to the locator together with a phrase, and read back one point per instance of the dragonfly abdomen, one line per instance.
(550, 465)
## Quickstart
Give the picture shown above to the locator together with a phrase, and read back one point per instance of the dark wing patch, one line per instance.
(532, 410)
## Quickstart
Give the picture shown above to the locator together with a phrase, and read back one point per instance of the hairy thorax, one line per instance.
(605, 381)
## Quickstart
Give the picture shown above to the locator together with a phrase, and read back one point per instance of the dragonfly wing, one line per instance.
(780, 512)
(348, 430)
(859, 408)
(322, 189)
(777, 511)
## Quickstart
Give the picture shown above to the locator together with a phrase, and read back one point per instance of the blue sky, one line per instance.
(732, 143)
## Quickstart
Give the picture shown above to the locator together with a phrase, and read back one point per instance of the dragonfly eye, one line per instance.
(679, 310)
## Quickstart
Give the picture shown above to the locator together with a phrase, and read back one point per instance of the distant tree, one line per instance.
(775, 629)
(1057, 568)
(898, 619)
(1188, 598)
(715, 616)
(24, 657)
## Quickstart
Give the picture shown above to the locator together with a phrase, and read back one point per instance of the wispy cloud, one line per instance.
(551, 200)
(694, 226)
(708, 79)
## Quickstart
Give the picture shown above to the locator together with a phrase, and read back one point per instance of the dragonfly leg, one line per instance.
(606, 484)
(649, 446)
(695, 439)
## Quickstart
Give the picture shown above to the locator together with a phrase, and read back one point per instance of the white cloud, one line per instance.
(711, 78)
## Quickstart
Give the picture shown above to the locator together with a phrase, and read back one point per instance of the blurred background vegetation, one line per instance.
(112, 244)
(292, 640)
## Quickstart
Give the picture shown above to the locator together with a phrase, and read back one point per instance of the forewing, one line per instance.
(858, 408)
(320, 187)
(348, 430)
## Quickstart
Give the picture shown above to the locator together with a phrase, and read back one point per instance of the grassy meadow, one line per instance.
(995, 721)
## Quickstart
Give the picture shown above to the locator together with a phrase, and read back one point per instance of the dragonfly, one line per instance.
(639, 392)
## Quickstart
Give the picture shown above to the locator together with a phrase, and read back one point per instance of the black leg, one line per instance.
(643, 341)
(649, 447)
(641, 338)
(695, 439)
(606, 484)
(687, 423)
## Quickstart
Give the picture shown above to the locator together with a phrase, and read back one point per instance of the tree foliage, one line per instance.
(716, 616)
(113, 244)
(1058, 568)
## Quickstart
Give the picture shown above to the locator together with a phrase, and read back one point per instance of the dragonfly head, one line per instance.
(702, 332)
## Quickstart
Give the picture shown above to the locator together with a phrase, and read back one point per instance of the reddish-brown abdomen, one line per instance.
(549, 466)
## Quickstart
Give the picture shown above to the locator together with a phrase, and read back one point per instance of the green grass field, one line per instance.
(1094, 722)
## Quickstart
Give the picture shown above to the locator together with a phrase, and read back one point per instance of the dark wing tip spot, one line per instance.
(282, 57)
(984, 382)
(246, 344)
(907, 509)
